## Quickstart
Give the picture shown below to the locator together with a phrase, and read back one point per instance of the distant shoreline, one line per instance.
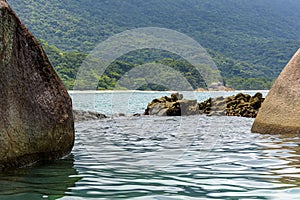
(142, 91)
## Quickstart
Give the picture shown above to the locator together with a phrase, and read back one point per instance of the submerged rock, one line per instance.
(280, 113)
(36, 119)
(81, 115)
(118, 115)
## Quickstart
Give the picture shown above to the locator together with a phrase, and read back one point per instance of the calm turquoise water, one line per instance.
(112, 102)
(195, 157)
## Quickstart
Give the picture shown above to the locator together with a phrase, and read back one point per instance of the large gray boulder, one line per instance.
(280, 112)
(36, 120)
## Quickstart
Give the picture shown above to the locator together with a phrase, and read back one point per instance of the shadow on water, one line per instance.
(48, 181)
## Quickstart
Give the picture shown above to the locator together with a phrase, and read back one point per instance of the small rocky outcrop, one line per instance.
(36, 119)
(174, 106)
(242, 105)
(81, 115)
(280, 113)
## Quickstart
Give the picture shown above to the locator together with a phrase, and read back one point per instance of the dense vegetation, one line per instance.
(250, 41)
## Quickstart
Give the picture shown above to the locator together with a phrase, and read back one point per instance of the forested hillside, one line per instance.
(250, 41)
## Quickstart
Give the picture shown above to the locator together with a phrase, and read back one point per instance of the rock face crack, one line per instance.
(36, 122)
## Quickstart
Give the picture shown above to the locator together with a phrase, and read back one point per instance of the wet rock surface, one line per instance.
(36, 119)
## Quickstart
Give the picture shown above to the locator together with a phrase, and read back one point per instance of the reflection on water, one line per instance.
(49, 181)
(284, 147)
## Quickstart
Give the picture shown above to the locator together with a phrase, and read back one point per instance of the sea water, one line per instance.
(151, 157)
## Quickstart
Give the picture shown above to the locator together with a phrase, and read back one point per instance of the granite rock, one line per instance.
(36, 119)
(280, 113)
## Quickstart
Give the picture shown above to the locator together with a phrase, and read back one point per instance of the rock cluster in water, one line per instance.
(174, 106)
(36, 118)
(242, 105)
(280, 113)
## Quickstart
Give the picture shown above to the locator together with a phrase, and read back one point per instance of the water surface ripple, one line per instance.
(148, 157)
(172, 158)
